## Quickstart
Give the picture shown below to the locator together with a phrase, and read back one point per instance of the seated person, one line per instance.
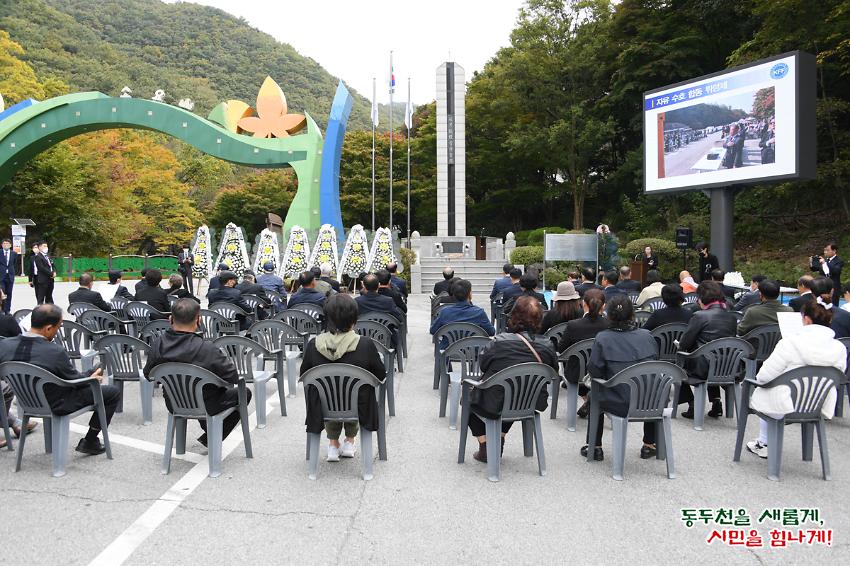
(719, 275)
(763, 313)
(652, 289)
(84, 294)
(512, 290)
(120, 290)
(341, 344)
(814, 345)
(503, 282)
(322, 286)
(444, 285)
(528, 284)
(673, 312)
(175, 288)
(620, 346)
(371, 301)
(584, 328)
(462, 310)
(609, 285)
(153, 294)
(141, 282)
(182, 343)
(804, 287)
(307, 292)
(520, 344)
(326, 270)
(249, 286)
(687, 282)
(711, 322)
(215, 283)
(588, 281)
(751, 297)
(566, 306)
(626, 283)
(398, 283)
(37, 347)
(270, 281)
(822, 288)
(386, 289)
(228, 293)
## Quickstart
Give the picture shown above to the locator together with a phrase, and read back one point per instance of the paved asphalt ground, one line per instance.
(421, 508)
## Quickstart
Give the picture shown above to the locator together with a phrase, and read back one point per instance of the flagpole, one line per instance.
(374, 92)
(409, 115)
(392, 88)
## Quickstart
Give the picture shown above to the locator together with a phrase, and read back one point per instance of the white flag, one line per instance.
(408, 115)
(374, 112)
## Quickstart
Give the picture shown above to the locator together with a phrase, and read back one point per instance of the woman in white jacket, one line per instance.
(814, 345)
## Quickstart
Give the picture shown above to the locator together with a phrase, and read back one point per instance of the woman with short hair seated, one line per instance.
(175, 288)
(814, 345)
(342, 345)
(673, 311)
(522, 343)
(615, 349)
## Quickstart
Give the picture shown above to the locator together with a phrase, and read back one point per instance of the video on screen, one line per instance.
(730, 132)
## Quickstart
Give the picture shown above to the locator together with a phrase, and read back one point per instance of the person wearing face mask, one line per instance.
(707, 262)
(184, 266)
(45, 275)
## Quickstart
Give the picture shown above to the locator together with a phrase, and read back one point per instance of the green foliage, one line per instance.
(527, 255)
(669, 257)
(554, 276)
(408, 260)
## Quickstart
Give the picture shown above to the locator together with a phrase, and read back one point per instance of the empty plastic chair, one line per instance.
(214, 325)
(303, 322)
(809, 386)
(556, 333)
(122, 361)
(667, 338)
(153, 330)
(640, 317)
(844, 386)
(450, 333)
(21, 314)
(77, 341)
(523, 384)
(395, 326)
(463, 357)
(633, 297)
(338, 386)
(650, 384)
(652, 305)
(725, 357)
(183, 384)
(763, 340)
(119, 305)
(580, 352)
(245, 353)
(382, 335)
(102, 323)
(27, 382)
(281, 339)
(76, 309)
(142, 313)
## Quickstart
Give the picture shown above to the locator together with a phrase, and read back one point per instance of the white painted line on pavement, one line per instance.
(142, 445)
(133, 536)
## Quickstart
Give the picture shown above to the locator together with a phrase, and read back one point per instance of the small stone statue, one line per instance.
(158, 96)
(126, 92)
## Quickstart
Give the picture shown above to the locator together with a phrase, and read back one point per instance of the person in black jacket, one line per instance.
(615, 349)
(215, 283)
(85, 295)
(386, 289)
(183, 344)
(185, 261)
(175, 288)
(626, 283)
(830, 265)
(588, 281)
(371, 301)
(673, 312)
(45, 275)
(120, 290)
(249, 286)
(822, 288)
(153, 294)
(307, 294)
(528, 284)
(585, 328)
(37, 347)
(341, 344)
(521, 344)
(804, 287)
(228, 293)
(713, 321)
(707, 262)
(141, 282)
(397, 282)
(444, 286)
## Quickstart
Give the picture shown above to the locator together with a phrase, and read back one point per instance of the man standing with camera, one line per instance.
(830, 265)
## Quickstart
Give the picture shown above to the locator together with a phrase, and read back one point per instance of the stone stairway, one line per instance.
(481, 273)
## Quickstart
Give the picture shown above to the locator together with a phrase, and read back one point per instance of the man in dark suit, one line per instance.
(183, 344)
(397, 282)
(228, 293)
(386, 289)
(512, 290)
(626, 283)
(527, 284)
(29, 264)
(141, 282)
(503, 282)
(804, 287)
(830, 265)
(588, 281)
(154, 295)
(371, 301)
(37, 347)
(85, 295)
(609, 285)
(307, 292)
(45, 275)
(185, 261)
(444, 286)
(8, 263)
(215, 283)
(751, 297)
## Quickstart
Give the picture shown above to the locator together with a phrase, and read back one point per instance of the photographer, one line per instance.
(830, 265)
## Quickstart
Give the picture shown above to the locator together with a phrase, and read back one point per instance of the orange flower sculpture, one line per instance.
(272, 119)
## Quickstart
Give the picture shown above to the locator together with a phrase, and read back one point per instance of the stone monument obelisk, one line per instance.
(451, 151)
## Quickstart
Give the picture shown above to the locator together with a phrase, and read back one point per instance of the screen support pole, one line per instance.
(722, 222)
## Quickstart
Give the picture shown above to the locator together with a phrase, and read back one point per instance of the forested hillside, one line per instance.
(185, 49)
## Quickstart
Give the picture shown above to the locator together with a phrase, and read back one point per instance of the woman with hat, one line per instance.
(566, 306)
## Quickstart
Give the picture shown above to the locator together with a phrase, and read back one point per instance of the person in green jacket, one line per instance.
(763, 313)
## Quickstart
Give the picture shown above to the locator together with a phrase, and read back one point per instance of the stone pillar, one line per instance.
(451, 150)
(416, 269)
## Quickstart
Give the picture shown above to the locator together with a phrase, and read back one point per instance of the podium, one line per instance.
(639, 272)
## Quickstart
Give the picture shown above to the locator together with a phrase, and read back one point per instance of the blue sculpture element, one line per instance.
(19, 106)
(331, 154)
